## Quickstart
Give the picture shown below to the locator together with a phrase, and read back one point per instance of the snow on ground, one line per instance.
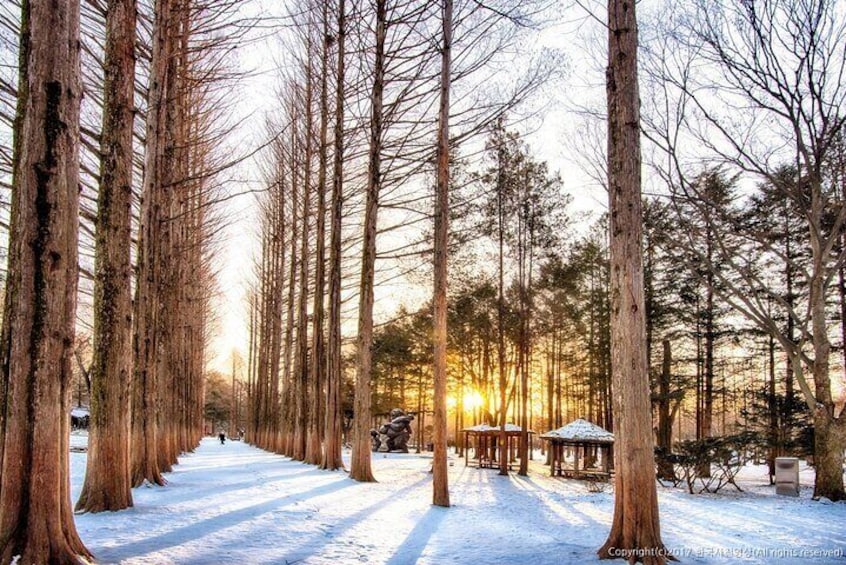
(237, 504)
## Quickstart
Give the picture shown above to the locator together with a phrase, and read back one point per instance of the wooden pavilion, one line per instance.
(484, 440)
(585, 439)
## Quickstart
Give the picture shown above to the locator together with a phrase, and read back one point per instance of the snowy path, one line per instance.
(237, 504)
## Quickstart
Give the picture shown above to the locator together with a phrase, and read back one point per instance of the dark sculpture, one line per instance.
(393, 436)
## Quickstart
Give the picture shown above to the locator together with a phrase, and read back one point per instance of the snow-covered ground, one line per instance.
(236, 504)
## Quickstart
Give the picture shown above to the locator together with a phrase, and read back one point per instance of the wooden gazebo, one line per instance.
(584, 439)
(484, 440)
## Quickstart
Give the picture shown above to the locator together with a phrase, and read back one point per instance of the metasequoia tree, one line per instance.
(157, 168)
(278, 378)
(288, 399)
(36, 521)
(316, 428)
(265, 417)
(635, 530)
(360, 468)
(185, 111)
(440, 496)
(301, 364)
(107, 473)
(93, 31)
(784, 60)
(334, 418)
(277, 395)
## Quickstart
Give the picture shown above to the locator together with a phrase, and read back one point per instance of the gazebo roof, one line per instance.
(580, 431)
(484, 428)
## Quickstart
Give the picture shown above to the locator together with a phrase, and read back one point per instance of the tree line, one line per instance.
(114, 176)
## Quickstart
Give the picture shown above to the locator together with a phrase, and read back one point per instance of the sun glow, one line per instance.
(472, 399)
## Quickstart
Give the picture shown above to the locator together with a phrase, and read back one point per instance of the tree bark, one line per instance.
(146, 319)
(301, 367)
(360, 468)
(107, 483)
(288, 368)
(500, 312)
(440, 481)
(317, 416)
(36, 521)
(332, 459)
(706, 429)
(829, 429)
(635, 527)
(665, 422)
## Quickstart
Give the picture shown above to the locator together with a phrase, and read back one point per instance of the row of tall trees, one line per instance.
(147, 368)
(374, 139)
(295, 375)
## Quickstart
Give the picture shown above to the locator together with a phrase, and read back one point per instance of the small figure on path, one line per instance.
(222, 437)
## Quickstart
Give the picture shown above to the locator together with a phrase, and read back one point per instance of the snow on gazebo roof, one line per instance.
(581, 430)
(482, 428)
(80, 412)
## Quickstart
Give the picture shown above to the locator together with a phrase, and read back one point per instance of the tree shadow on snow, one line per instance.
(412, 547)
(186, 488)
(203, 528)
(318, 541)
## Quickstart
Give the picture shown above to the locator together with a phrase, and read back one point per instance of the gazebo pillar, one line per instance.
(553, 457)
(576, 461)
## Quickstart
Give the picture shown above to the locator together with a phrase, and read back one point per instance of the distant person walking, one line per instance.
(222, 437)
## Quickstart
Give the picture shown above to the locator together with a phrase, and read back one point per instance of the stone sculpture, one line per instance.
(393, 436)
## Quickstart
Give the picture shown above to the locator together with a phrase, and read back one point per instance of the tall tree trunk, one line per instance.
(251, 354)
(440, 485)
(360, 469)
(301, 372)
(710, 341)
(635, 525)
(233, 407)
(36, 520)
(332, 459)
(772, 409)
(550, 386)
(316, 431)
(665, 423)
(290, 316)
(279, 256)
(107, 483)
(146, 319)
(829, 429)
(500, 313)
(13, 282)
(166, 261)
(790, 299)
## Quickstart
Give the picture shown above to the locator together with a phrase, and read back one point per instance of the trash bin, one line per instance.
(787, 476)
